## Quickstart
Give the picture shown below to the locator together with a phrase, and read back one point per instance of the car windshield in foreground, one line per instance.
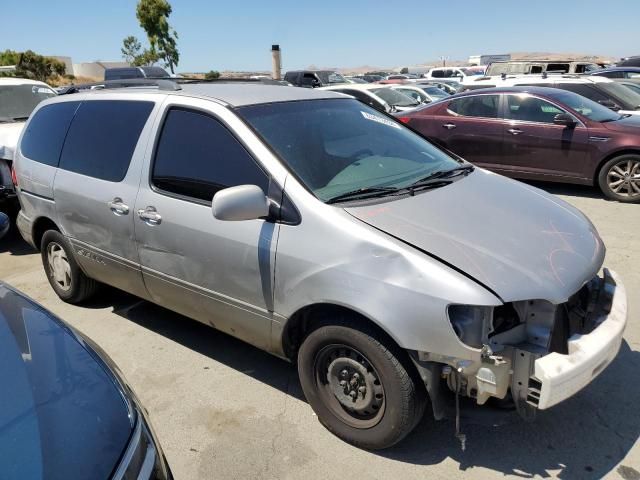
(623, 94)
(336, 147)
(395, 98)
(18, 101)
(590, 109)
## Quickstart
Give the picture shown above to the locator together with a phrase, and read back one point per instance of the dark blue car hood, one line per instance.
(62, 414)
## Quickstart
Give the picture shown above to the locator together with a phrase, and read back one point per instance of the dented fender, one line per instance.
(399, 288)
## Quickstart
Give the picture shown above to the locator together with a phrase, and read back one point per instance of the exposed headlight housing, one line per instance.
(471, 323)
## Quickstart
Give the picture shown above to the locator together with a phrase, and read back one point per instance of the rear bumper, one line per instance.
(561, 376)
(26, 228)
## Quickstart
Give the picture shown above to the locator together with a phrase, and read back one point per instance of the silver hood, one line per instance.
(9, 134)
(515, 239)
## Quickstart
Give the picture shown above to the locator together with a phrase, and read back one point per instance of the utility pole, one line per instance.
(276, 62)
(444, 60)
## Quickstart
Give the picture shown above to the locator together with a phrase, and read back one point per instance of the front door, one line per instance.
(537, 147)
(96, 185)
(217, 272)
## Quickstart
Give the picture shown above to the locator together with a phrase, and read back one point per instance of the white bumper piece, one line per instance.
(562, 376)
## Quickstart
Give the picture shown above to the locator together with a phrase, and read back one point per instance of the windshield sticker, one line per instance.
(378, 119)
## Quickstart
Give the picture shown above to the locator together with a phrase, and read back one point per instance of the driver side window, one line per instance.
(531, 109)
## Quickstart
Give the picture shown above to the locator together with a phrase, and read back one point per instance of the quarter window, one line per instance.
(485, 106)
(530, 109)
(102, 138)
(43, 139)
(197, 156)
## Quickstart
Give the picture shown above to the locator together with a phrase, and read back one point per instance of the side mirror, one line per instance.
(4, 224)
(244, 202)
(564, 119)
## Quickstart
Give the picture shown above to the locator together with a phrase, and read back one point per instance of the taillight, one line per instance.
(404, 119)
(14, 177)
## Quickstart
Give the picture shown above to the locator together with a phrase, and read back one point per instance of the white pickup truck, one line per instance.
(18, 98)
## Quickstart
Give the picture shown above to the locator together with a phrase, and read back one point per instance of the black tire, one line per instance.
(403, 398)
(80, 287)
(624, 169)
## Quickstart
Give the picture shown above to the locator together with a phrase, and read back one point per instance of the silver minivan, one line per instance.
(328, 234)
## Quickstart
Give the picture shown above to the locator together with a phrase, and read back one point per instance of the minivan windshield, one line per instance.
(340, 145)
(629, 98)
(590, 109)
(18, 101)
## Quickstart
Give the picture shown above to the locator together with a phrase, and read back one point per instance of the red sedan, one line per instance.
(538, 133)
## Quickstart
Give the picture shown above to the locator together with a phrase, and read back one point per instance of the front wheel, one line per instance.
(359, 387)
(619, 178)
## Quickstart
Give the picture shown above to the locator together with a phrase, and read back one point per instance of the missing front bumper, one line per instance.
(557, 377)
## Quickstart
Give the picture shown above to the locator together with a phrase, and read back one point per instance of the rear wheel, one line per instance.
(619, 178)
(358, 386)
(64, 274)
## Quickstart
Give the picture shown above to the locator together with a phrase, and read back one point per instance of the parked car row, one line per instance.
(539, 133)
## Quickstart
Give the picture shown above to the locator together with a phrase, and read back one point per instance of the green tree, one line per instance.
(211, 75)
(131, 48)
(134, 54)
(153, 17)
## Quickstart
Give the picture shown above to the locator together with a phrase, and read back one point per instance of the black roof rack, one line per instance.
(160, 83)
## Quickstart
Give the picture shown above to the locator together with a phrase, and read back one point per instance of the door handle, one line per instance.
(515, 131)
(150, 216)
(449, 126)
(117, 207)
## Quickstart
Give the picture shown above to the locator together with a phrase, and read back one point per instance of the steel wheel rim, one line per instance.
(623, 178)
(350, 386)
(59, 266)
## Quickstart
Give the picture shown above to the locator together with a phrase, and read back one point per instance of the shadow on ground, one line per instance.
(568, 189)
(13, 243)
(584, 437)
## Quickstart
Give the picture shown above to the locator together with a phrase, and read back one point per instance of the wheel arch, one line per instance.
(40, 226)
(307, 318)
(618, 153)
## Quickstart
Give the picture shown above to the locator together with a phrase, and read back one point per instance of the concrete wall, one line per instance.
(67, 63)
(95, 69)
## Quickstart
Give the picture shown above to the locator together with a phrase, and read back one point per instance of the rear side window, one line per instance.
(585, 90)
(485, 106)
(102, 138)
(43, 139)
(197, 156)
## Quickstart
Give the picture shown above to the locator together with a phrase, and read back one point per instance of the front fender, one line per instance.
(352, 265)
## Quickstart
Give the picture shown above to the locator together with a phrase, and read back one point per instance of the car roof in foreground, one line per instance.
(65, 417)
(235, 94)
(242, 94)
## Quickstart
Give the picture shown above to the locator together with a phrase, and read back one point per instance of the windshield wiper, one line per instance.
(438, 174)
(361, 193)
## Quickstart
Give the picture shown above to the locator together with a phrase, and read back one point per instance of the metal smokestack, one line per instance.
(275, 62)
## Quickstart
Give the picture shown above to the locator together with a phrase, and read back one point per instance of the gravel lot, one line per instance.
(223, 409)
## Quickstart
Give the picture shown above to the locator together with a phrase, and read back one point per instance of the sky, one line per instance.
(237, 35)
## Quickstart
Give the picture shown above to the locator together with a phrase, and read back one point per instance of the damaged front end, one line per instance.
(532, 352)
